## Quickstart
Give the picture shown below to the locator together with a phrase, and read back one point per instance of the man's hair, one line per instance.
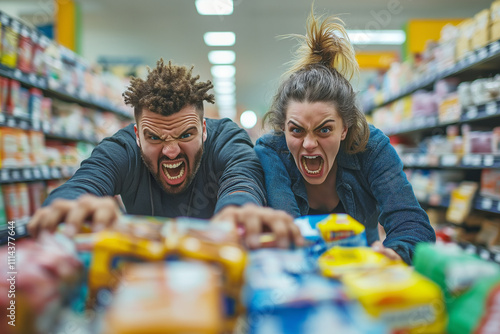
(166, 90)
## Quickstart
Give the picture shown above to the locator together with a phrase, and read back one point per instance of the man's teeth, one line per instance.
(305, 164)
(167, 166)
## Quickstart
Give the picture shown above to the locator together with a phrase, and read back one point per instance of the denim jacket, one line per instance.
(371, 185)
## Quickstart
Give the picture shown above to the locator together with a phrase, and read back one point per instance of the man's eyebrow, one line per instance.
(189, 129)
(323, 124)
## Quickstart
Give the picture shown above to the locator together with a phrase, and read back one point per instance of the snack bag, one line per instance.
(403, 299)
(476, 311)
(325, 231)
(339, 261)
(451, 268)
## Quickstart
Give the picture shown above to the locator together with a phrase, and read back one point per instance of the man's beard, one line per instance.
(180, 188)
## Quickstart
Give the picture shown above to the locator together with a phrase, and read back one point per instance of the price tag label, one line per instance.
(21, 229)
(494, 48)
(498, 206)
(45, 172)
(11, 122)
(488, 160)
(46, 126)
(497, 257)
(27, 175)
(471, 112)
(420, 122)
(491, 108)
(55, 173)
(482, 53)
(2, 118)
(16, 175)
(5, 175)
(471, 59)
(448, 160)
(36, 125)
(36, 173)
(17, 74)
(485, 255)
(472, 160)
(23, 125)
(422, 160)
(486, 203)
(32, 79)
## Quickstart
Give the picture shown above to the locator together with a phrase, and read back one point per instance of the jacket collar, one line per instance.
(350, 161)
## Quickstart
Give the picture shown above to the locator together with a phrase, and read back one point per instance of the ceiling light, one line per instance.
(225, 89)
(226, 38)
(221, 57)
(381, 37)
(214, 7)
(226, 100)
(223, 71)
(248, 119)
(227, 112)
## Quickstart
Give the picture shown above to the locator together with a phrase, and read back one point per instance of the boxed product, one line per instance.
(322, 232)
(173, 297)
(481, 36)
(339, 261)
(490, 183)
(402, 298)
(25, 50)
(10, 40)
(283, 294)
(464, 43)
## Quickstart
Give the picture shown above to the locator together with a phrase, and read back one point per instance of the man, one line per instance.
(171, 163)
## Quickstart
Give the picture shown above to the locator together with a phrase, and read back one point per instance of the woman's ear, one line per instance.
(344, 132)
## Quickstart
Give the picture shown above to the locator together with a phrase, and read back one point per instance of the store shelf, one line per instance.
(40, 82)
(27, 124)
(20, 231)
(468, 161)
(470, 114)
(39, 173)
(474, 59)
(481, 203)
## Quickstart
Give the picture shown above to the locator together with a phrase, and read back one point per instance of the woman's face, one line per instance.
(313, 133)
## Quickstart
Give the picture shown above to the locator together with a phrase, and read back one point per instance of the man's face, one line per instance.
(172, 146)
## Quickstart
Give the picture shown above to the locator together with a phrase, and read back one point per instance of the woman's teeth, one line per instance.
(304, 164)
(166, 167)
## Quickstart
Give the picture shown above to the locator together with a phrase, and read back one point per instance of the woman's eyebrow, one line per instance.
(323, 124)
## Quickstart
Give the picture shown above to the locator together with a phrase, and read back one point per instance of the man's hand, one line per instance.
(100, 211)
(256, 220)
(389, 252)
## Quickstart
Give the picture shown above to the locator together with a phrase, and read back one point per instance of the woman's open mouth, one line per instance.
(312, 164)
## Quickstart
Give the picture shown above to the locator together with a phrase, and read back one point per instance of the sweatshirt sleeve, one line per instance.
(241, 179)
(102, 174)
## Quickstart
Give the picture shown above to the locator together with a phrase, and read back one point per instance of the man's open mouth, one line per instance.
(174, 171)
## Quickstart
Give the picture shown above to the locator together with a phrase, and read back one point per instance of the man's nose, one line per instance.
(171, 149)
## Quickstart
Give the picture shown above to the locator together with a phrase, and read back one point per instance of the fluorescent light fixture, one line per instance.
(214, 7)
(223, 71)
(380, 37)
(225, 89)
(221, 57)
(225, 100)
(248, 119)
(226, 38)
(227, 112)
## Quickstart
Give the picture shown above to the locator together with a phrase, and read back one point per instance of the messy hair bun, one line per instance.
(326, 42)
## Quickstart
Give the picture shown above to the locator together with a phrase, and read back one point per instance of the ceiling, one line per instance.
(172, 29)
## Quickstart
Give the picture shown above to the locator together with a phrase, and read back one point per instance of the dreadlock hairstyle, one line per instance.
(166, 90)
(325, 59)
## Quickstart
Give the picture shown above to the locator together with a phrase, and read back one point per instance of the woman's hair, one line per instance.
(166, 90)
(325, 59)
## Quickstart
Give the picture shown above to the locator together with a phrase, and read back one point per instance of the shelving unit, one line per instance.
(481, 59)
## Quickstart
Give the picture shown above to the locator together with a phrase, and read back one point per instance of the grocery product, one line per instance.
(173, 297)
(322, 232)
(402, 298)
(338, 261)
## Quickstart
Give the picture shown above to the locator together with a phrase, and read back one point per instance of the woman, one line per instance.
(323, 157)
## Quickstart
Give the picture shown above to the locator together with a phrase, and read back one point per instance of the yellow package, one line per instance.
(174, 297)
(339, 261)
(339, 226)
(405, 300)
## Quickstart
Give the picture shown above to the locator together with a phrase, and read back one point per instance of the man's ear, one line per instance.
(137, 140)
(204, 130)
